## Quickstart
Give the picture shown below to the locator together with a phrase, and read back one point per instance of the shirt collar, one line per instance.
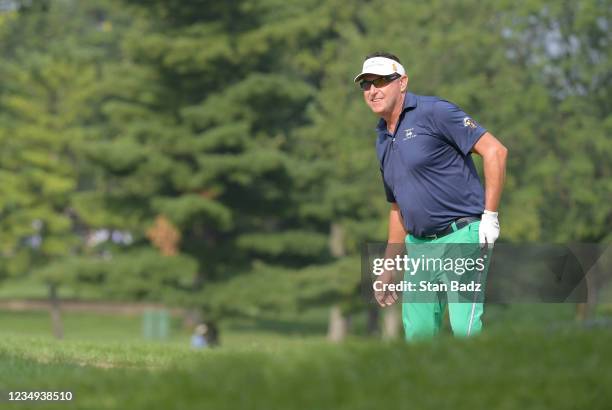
(410, 101)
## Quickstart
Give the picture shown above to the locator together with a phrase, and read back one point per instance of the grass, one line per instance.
(529, 370)
(538, 360)
(84, 326)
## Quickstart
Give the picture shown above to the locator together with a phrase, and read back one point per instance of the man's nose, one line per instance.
(373, 91)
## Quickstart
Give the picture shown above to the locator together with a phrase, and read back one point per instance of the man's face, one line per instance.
(382, 100)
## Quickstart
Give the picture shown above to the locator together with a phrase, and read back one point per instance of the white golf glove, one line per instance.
(489, 229)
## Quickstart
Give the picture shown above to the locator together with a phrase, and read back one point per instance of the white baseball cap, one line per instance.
(380, 66)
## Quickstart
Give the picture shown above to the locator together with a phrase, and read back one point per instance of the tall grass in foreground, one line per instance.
(561, 369)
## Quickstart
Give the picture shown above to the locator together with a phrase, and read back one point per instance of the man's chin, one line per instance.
(377, 109)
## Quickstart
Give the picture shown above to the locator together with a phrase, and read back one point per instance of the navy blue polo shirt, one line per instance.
(426, 164)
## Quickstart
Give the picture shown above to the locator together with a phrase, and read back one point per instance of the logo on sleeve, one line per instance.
(468, 122)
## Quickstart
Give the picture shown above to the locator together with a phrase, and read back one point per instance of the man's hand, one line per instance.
(385, 297)
(488, 232)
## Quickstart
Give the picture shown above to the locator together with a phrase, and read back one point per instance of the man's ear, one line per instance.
(404, 83)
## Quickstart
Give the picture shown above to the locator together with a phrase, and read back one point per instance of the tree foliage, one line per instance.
(237, 125)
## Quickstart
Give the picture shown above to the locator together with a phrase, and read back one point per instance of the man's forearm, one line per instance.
(493, 155)
(494, 162)
(396, 235)
(397, 232)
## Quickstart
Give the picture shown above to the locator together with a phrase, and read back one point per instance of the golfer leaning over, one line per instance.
(424, 147)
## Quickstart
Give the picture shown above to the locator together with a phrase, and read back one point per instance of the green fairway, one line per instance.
(234, 332)
(87, 326)
(564, 369)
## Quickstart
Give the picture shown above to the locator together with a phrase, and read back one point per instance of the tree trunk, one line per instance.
(581, 312)
(212, 336)
(338, 325)
(391, 322)
(373, 319)
(336, 241)
(591, 259)
(56, 314)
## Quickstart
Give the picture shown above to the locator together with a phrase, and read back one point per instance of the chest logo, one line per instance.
(409, 134)
(468, 122)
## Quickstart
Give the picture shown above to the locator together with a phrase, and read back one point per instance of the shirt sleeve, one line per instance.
(388, 190)
(456, 126)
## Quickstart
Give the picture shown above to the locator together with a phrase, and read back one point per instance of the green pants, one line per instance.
(423, 309)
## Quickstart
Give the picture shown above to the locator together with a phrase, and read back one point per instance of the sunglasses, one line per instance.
(378, 82)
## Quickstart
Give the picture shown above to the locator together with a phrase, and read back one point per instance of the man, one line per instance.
(424, 147)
